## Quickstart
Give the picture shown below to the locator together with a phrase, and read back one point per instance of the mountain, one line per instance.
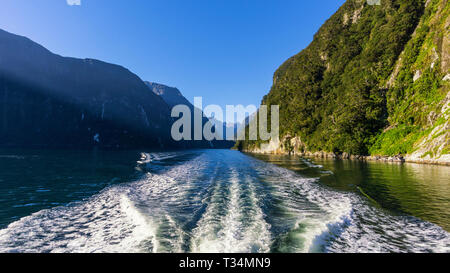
(173, 97)
(374, 81)
(227, 127)
(52, 101)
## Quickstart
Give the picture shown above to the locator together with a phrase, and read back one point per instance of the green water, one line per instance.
(407, 189)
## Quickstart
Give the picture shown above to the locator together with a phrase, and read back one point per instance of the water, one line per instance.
(217, 201)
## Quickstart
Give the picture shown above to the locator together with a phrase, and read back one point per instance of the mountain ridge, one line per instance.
(171, 95)
(50, 101)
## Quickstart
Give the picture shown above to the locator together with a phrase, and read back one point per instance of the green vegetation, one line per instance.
(414, 105)
(357, 78)
(396, 141)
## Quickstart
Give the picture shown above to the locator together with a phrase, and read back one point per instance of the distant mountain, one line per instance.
(226, 127)
(374, 81)
(52, 101)
(172, 96)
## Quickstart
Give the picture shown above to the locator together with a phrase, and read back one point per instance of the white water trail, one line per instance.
(333, 221)
(211, 203)
(233, 232)
(122, 218)
(108, 222)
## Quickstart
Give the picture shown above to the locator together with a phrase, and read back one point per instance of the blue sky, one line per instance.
(223, 50)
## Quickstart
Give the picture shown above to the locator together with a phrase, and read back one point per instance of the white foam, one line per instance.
(151, 215)
(310, 164)
(232, 232)
(344, 222)
(108, 222)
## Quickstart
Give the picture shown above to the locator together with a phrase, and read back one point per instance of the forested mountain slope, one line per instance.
(374, 81)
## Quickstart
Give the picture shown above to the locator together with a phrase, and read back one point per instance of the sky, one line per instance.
(225, 51)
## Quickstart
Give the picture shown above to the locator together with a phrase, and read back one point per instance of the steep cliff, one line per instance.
(374, 81)
(51, 101)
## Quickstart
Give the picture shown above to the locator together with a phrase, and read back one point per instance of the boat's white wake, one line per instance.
(108, 222)
(211, 203)
(233, 221)
(332, 221)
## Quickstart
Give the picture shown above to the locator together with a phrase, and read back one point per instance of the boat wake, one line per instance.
(220, 201)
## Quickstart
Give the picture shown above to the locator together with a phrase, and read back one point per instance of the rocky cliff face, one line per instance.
(374, 82)
(427, 97)
(51, 101)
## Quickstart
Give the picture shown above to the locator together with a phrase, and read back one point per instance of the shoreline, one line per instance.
(345, 156)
